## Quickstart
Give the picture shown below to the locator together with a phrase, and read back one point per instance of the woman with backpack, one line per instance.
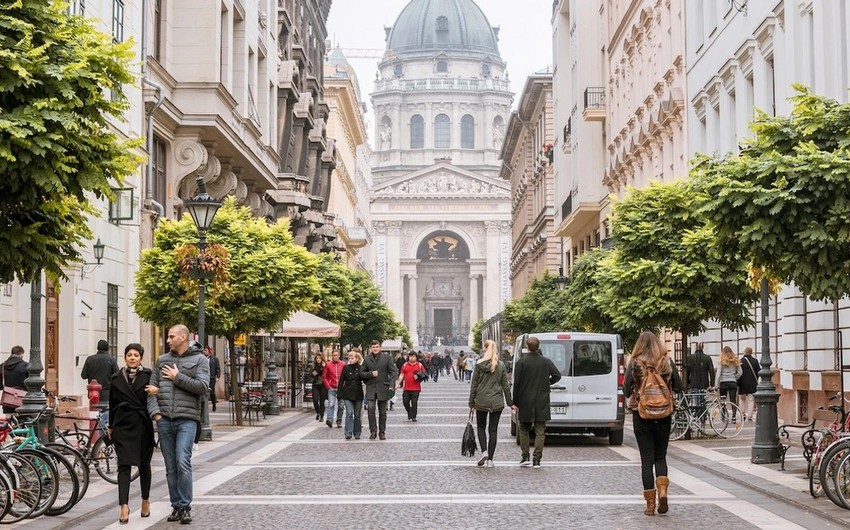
(651, 401)
(488, 393)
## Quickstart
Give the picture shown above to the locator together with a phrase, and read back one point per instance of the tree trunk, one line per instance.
(234, 380)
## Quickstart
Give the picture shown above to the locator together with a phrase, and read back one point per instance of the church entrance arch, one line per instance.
(443, 269)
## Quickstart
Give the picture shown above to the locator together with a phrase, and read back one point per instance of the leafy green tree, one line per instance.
(666, 270)
(260, 276)
(369, 317)
(525, 315)
(335, 284)
(56, 145)
(784, 200)
(476, 336)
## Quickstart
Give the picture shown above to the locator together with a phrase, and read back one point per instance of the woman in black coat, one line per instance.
(131, 429)
(350, 390)
(320, 393)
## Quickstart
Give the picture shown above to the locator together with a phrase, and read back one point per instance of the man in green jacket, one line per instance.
(533, 375)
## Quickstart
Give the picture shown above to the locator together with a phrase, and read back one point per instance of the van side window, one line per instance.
(591, 358)
(555, 351)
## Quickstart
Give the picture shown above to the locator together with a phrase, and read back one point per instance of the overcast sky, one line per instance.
(525, 37)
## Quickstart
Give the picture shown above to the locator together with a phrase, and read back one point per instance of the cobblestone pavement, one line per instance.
(292, 472)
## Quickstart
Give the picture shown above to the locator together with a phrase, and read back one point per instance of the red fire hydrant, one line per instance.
(94, 389)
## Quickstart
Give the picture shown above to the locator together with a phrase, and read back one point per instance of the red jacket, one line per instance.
(331, 373)
(410, 382)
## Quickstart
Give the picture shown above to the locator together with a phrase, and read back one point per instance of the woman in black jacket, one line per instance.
(350, 390)
(320, 393)
(131, 429)
(653, 435)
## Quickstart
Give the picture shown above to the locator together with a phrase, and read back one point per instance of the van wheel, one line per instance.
(513, 428)
(615, 437)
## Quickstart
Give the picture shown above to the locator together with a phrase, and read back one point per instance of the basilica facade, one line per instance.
(440, 213)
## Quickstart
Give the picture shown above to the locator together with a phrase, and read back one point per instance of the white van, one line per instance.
(589, 397)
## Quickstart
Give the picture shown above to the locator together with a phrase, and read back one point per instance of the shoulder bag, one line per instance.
(12, 397)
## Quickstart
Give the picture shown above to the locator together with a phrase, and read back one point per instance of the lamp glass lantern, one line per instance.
(98, 251)
(202, 207)
(560, 281)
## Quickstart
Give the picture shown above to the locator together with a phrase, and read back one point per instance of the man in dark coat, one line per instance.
(100, 366)
(748, 383)
(15, 372)
(379, 373)
(700, 374)
(215, 373)
(533, 375)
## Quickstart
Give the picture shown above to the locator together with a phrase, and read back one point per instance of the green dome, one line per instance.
(457, 27)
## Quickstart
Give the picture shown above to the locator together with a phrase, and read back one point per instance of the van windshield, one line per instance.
(587, 358)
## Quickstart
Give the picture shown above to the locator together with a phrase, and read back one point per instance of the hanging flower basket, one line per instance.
(549, 152)
(212, 264)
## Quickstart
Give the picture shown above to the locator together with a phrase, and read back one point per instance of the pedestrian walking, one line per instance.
(747, 383)
(15, 372)
(408, 376)
(350, 391)
(729, 371)
(215, 374)
(489, 392)
(469, 365)
(653, 436)
(700, 374)
(320, 393)
(330, 379)
(131, 429)
(100, 367)
(533, 375)
(182, 376)
(380, 375)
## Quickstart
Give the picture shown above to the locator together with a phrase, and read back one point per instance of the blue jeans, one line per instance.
(176, 438)
(334, 405)
(353, 418)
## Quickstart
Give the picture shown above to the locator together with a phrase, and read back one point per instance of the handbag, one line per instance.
(468, 446)
(12, 397)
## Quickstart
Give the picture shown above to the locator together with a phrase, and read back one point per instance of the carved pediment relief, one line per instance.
(443, 181)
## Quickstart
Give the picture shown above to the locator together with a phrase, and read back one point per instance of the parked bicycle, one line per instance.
(695, 410)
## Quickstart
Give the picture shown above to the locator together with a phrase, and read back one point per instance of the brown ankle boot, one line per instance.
(661, 484)
(649, 495)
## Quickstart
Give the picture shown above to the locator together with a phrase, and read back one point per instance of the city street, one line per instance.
(294, 472)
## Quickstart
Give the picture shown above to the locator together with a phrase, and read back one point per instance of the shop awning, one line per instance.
(305, 325)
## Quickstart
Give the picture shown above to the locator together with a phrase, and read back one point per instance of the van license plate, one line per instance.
(558, 410)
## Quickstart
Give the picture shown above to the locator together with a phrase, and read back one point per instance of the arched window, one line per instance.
(417, 132)
(467, 132)
(442, 67)
(442, 132)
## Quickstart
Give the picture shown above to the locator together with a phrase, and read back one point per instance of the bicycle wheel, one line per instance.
(841, 481)
(68, 486)
(6, 490)
(81, 467)
(26, 485)
(47, 475)
(106, 462)
(76, 440)
(735, 420)
(718, 420)
(680, 425)
(825, 438)
(829, 465)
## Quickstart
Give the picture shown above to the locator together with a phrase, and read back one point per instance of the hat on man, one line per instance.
(102, 345)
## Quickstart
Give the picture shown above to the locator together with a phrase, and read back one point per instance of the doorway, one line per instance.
(443, 323)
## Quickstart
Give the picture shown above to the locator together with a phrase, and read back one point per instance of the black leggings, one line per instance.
(124, 482)
(492, 430)
(653, 436)
(320, 394)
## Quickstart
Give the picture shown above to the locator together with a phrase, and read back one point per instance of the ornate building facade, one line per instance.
(440, 213)
(527, 155)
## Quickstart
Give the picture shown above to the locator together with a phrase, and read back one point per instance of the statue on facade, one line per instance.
(404, 187)
(498, 137)
(453, 187)
(386, 136)
(442, 183)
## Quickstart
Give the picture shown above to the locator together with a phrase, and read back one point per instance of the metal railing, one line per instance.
(594, 97)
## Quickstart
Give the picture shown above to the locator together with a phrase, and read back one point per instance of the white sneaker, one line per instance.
(490, 463)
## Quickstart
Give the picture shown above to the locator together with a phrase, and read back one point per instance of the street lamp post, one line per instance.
(202, 207)
(766, 445)
(35, 401)
(272, 378)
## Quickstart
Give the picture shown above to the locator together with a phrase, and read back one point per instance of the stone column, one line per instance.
(491, 286)
(473, 300)
(394, 284)
(413, 300)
